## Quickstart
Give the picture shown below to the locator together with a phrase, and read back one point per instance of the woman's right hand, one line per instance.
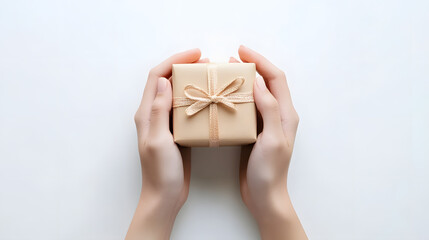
(264, 166)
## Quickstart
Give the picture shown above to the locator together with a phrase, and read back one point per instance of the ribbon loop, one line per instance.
(195, 93)
(197, 99)
(231, 87)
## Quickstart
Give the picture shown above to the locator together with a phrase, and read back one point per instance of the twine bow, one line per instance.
(197, 99)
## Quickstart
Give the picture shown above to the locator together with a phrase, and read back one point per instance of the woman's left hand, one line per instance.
(165, 166)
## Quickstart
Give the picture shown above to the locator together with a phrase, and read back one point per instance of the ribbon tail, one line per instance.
(227, 103)
(214, 126)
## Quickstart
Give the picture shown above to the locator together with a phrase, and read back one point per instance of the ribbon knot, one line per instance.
(197, 99)
(214, 99)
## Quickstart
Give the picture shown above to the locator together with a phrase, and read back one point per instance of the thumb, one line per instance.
(268, 106)
(161, 106)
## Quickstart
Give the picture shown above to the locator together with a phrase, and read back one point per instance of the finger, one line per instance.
(276, 81)
(268, 107)
(162, 70)
(233, 60)
(203, 60)
(264, 67)
(160, 111)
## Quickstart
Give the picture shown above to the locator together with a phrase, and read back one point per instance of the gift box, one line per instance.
(213, 104)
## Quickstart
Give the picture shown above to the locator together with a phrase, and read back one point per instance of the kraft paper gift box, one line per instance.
(213, 104)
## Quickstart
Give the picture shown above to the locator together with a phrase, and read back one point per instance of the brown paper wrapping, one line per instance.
(235, 127)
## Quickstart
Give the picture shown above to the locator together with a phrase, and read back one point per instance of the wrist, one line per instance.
(275, 206)
(278, 220)
(153, 218)
(158, 206)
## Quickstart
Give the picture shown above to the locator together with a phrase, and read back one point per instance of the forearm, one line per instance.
(153, 219)
(280, 220)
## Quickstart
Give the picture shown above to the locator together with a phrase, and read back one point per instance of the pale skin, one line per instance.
(263, 168)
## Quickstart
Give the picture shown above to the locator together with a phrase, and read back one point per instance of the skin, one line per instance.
(263, 167)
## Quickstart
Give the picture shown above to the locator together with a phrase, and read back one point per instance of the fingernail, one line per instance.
(261, 83)
(162, 84)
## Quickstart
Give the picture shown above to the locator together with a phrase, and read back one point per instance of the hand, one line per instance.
(165, 166)
(264, 165)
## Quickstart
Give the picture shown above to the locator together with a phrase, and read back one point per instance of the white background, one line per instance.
(72, 74)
